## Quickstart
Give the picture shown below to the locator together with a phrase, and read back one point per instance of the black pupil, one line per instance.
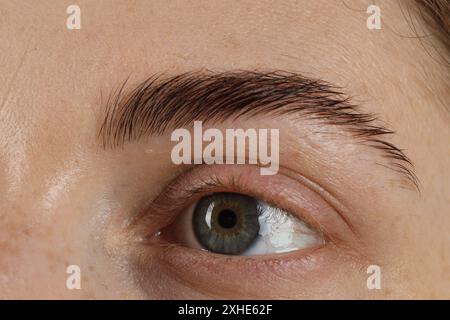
(226, 222)
(227, 219)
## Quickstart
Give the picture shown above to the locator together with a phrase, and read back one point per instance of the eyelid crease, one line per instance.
(337, 205)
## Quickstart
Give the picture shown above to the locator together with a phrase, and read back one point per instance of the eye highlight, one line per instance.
(237, 224)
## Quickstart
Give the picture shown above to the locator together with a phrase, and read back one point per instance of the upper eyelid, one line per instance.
(175, 197)
(183, 194)
(159, 103)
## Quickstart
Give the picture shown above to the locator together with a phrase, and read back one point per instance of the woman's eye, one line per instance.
(226, 222)
(237, 224)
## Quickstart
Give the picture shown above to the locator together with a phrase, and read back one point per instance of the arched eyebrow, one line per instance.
(161, 103)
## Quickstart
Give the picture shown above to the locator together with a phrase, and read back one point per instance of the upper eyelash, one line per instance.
(214, 182)
(207, 186)
(174, 197)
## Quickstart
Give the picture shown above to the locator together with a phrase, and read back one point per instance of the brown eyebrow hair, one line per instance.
(160, 103)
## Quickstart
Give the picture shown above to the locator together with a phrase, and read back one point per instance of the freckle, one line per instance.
(52, 268)
(43, 233)
(91, 268)
(7, 248)
(27, 232)
(11, 228)
(230, 42)
(53, 257)
(50, 255)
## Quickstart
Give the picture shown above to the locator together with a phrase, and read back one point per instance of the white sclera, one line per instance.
(281, 232)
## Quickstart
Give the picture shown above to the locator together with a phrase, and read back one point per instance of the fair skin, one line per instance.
(65, 199)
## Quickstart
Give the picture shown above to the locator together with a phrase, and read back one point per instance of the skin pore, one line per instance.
(67, 200)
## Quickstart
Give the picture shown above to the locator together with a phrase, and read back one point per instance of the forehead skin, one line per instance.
(50, 105)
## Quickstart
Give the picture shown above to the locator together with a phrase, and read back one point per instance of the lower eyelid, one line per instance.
(212, 260)
(197, 269)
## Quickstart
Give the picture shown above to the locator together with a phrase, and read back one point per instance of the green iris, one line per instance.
(226, 222)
